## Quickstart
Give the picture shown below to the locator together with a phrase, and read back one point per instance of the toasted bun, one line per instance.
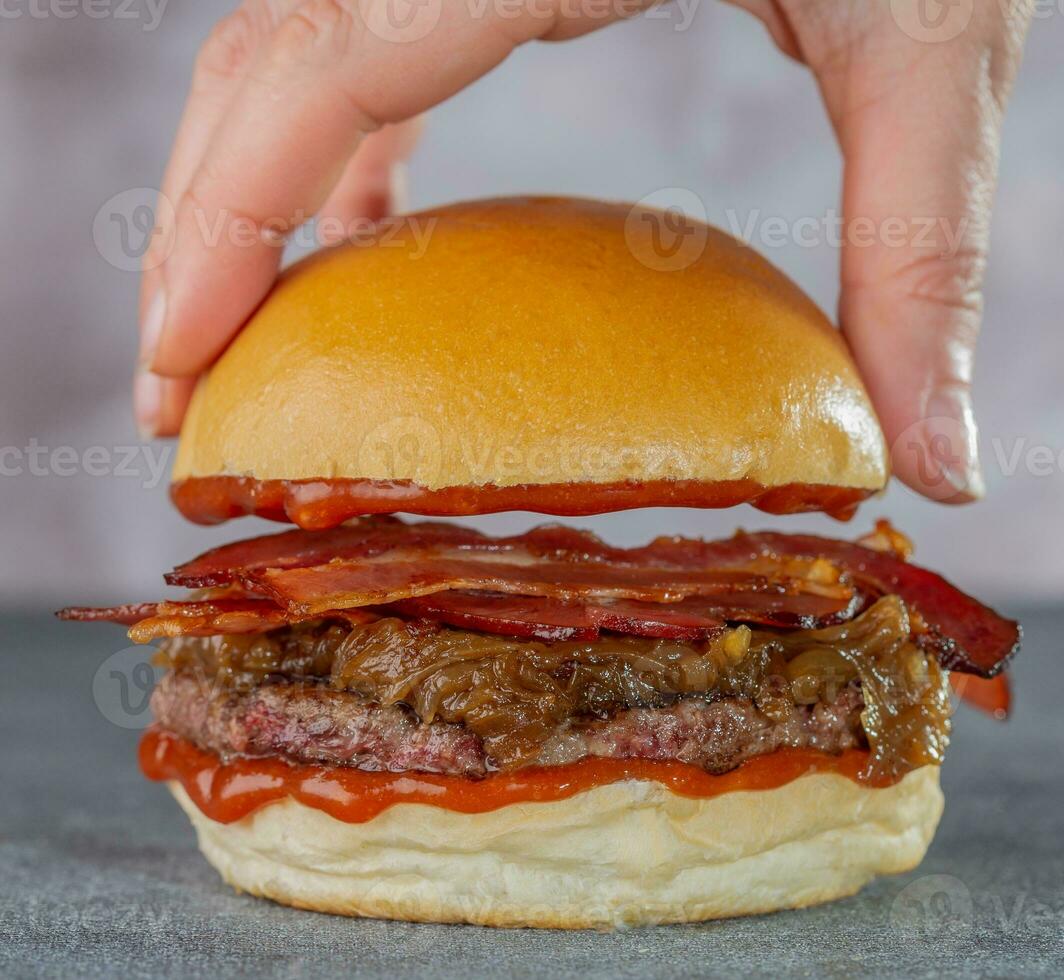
(630, 853)
(537, 341)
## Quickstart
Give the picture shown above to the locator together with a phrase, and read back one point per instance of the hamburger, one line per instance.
(408, 718)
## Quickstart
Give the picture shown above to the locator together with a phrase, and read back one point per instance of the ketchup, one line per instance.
(319, 504)
(226, 792)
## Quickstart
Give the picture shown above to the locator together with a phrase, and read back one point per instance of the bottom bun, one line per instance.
(629, 853)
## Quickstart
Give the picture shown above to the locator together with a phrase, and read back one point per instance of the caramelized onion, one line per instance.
(301, 652)
(906, 693)
(514, 695)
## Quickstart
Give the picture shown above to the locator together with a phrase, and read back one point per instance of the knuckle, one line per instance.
(199, 205)
(318, 29)
(953, 281)
(229, 47)
(213, 210)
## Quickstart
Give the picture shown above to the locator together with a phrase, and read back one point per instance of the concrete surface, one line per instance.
(100, 877)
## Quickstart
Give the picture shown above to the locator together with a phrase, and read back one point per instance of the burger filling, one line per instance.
(410, 695)
(384, 646)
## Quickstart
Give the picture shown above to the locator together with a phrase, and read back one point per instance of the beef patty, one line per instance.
(311, 723)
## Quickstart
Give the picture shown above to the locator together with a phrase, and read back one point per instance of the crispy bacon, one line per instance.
(963, 634)
(541, 618)
(372, 537)
(694, 618)
(365, 538)
(559, 578)
(531, 617)
(202, 617)
(345, 583)
(122, 615)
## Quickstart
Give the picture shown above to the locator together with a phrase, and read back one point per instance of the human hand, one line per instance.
(916, 91)
(286, 91)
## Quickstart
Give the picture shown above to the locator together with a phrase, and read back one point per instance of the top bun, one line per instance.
(533, 343)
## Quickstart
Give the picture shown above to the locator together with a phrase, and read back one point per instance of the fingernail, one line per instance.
(952, 440)
(399, 188)
(151, 329)
(147, 403)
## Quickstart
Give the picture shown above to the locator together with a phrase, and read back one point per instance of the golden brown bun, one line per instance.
(630, 853)
(537, 341)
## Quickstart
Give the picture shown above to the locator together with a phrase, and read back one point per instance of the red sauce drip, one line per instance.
(320, 504)
(993, 695)
(226, 792)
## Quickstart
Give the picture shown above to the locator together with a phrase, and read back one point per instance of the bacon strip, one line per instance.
(202, 617)
(366, 538)
(383, 560)
(537, 617)
(540, 618)
(343, 584)
(372, 537)
(963, 634)
(531, 617)
(122, 615)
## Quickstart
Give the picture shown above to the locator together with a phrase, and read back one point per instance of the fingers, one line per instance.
(160, 403)
(323, 81)
(917, 106)
(220, 68)
(374, 184)
(919, 126)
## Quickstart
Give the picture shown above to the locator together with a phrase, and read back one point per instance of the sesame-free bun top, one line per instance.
(518, 345)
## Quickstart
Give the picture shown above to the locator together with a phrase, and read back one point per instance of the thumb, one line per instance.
(919, 126)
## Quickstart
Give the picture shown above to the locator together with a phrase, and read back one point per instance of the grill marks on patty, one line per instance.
(309, 723)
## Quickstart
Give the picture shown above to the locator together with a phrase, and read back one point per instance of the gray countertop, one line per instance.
(100, 876)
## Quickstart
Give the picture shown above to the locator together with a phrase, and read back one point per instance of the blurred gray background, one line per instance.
(89, 104)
